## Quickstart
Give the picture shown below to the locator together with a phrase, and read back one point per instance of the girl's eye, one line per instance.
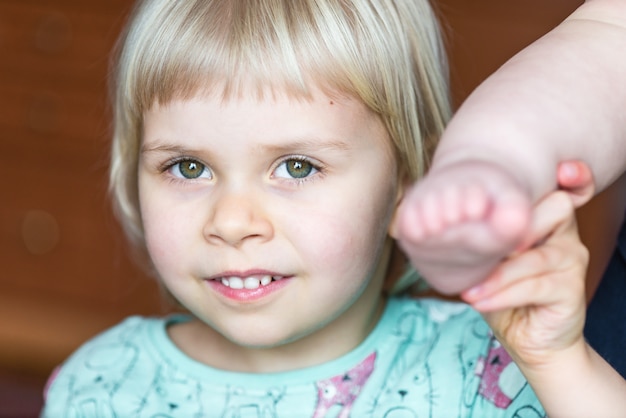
(295, 168)
(190, 169)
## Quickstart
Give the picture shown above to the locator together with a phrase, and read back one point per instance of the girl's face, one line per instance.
(267, 218)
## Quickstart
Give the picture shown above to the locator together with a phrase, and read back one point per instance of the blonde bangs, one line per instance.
(186, 48)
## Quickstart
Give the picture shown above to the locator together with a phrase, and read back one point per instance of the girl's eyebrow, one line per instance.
(300, 145)
(168, 148)
(306, 145)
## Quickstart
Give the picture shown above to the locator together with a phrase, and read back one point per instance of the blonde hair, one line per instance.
(387, 53)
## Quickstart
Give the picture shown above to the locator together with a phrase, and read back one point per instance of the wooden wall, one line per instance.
(65, 272)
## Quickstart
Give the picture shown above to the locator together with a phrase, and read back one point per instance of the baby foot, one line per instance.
(460, 221)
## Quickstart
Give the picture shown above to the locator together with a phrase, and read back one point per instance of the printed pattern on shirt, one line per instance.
(432, 359)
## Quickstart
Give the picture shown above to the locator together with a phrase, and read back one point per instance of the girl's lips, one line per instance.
(248, 288)
(249, 282)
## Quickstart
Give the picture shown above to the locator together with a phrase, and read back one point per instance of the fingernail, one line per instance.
(569, 170)
(473, 292)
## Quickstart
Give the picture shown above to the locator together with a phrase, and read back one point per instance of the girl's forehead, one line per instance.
(229, 92)
(276, 119)
(271, 104)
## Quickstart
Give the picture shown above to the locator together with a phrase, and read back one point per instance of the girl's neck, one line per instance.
(205, 345)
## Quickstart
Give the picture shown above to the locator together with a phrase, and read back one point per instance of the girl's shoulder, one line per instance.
(438, 350)
(97, 367)
(133, 332)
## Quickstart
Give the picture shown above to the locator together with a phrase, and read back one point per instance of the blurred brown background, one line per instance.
(65, 271)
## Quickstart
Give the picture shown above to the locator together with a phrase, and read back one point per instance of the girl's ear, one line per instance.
(404, 185)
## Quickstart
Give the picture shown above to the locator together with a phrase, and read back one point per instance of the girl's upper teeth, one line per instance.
(252, 282)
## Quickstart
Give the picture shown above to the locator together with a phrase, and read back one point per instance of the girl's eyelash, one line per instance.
(167, 165)
(304, 158)
(300, 158)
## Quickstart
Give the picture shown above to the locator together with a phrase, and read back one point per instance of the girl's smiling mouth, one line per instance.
(247, 287)
(250, 282)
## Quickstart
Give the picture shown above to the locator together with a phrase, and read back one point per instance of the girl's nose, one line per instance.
(236, 219)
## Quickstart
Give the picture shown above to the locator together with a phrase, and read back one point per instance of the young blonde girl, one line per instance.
(260, 151)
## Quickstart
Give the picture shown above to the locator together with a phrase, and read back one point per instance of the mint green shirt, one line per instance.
(425, 358)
